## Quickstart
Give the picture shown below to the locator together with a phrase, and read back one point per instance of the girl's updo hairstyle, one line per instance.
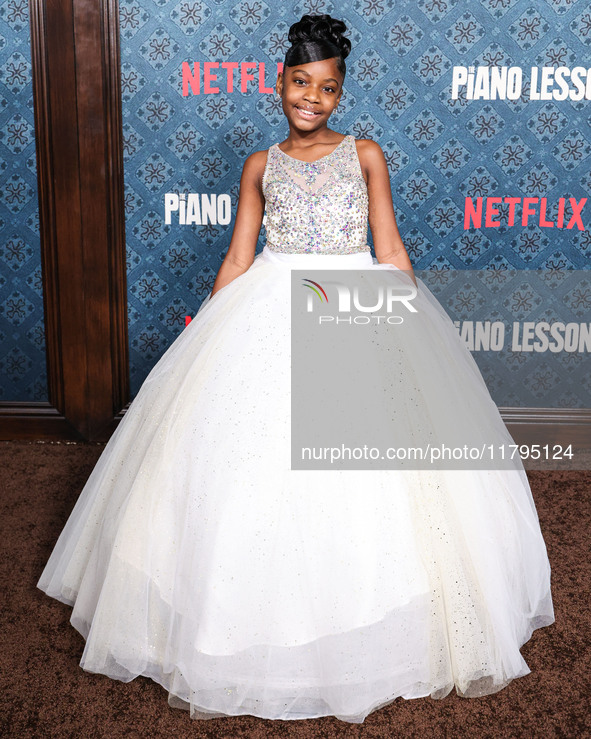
(317, 37)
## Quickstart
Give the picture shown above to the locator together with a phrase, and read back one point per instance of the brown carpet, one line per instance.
(45, 693)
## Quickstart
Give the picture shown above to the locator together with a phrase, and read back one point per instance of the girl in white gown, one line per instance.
(197, 557)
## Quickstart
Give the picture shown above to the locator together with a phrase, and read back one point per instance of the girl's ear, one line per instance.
(279, 84)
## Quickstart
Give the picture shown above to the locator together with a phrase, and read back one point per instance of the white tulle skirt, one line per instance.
(197, 557)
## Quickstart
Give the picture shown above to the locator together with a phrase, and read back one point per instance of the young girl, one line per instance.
(197, 557)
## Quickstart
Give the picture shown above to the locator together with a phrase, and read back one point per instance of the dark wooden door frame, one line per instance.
(77, 98)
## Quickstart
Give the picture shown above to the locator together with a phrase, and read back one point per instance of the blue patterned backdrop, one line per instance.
(397, 92)
(22, 329)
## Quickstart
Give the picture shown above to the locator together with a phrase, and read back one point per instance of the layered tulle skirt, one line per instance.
(197, 557)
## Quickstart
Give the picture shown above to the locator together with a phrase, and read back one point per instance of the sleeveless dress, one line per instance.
(197, 557)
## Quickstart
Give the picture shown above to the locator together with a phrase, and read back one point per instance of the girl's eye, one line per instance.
(298, 79)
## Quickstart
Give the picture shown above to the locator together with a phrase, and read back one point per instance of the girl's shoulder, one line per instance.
(256, 160)
(368, 147)
(371, 156)
(253, 169)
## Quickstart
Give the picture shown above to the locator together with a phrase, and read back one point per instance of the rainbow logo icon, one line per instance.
(317, 291)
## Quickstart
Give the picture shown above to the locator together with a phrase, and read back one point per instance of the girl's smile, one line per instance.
(307, 113)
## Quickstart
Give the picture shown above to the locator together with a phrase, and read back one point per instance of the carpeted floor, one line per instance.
(45, 693)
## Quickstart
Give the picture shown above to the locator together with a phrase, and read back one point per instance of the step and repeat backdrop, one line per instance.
(482, 110)
(22, 328)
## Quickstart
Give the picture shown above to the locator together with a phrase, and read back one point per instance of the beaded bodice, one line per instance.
(316, 207)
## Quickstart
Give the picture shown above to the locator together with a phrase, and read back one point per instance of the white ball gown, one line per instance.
(197, 557)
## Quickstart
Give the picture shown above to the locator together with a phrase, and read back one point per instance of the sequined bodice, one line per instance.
(316, 207)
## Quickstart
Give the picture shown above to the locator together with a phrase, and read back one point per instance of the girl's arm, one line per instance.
(388, 245)
(249, 216)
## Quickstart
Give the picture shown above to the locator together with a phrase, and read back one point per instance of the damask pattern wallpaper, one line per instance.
(439, 150)
(397, 92)
(22, 328)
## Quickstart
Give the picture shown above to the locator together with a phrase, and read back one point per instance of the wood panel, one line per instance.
(77, 98)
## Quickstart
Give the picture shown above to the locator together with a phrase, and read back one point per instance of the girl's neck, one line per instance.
(305, 140)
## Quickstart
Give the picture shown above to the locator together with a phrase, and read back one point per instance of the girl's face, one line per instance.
(309, 93)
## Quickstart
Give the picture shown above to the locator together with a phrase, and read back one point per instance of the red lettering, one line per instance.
(244, 75)
(577, 208)
(512, 203)
(230, 67)
(190, 78)
(473, 213)
(262, 87)
(560, 213)
(470, 213)
(527, 211)
(490, 211)
(543, 222)
(209, 77)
